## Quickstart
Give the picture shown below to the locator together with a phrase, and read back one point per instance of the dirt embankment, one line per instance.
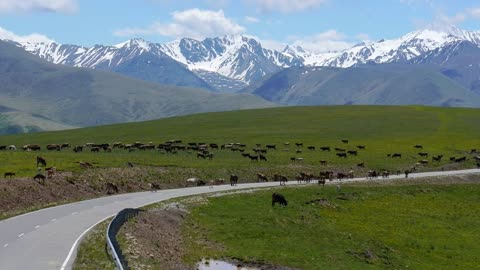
(24, 194)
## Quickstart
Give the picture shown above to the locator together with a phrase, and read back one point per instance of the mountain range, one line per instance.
(438, 67)
(66, 97)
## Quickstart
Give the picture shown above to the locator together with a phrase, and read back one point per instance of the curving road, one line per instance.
(48, 238)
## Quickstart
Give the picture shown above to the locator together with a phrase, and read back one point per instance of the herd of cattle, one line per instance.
(257, 153)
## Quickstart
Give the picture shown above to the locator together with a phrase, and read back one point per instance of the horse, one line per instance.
(233, 180)
(41, 161)
(279, 198)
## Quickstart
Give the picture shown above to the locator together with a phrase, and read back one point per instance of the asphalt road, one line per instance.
(48, 238)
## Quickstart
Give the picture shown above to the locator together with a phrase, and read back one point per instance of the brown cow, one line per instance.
(41, 161)
(262, 177)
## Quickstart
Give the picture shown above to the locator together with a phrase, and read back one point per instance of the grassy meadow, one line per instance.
(383, 129)
(363, 226)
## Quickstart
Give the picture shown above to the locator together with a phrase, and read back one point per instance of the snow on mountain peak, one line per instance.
(136, 42)
(25, 40)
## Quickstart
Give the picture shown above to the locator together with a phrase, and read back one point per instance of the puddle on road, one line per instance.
(220, 265)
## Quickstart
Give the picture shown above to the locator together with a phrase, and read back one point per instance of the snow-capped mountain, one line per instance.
(237, 57)
(230, 63)
(402, 49)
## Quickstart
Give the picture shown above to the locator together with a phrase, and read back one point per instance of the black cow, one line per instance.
(342, 155)
(279, 198)
(395, 155)
(325, 148)
(233, 180)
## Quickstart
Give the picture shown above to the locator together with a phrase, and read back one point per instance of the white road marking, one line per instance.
(6, 245)
(20, 235)
(74, 213)
(70, 253)
(38, 226)
(53, 219)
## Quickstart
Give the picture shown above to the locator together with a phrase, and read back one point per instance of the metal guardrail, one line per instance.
(112, 243)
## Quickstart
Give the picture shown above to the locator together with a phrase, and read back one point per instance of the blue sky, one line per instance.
(318, 24)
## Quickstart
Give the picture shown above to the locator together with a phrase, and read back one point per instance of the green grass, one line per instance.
(384, 130)
(91, 253)
(399, 226)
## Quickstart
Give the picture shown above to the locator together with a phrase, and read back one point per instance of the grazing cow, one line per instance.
(322, 182)
(437, 158)
(233, 180)
(352, 152)
(3, 147)
(253, 158)
(325, 148)
(279, 198)
(293, 158)
(271, 146)
(154, 187)
(40, 178)
(423, 154)
(8, 174)
(41, 161)
(78, 148)
(423, 162)
(311, 148)
(326, 175)
(341, 176)
(300, 144)
(32, 147)
(51, 172)
(12, 147)
(246, 155)
(361, 147)
(372, 174)
(95, 149)
(52, 147)
(214, 146)
(452, 158)
(342, 155)
(462, 159)
(298, 151)
(262, 157)
(362, 165)
(344, 141)
(418, 146)
(339, 149)
(396, 155)
(219, 181)
(323, 162)
(262, 177)
(85, 165)
(111, 188)
(280, 178)
(65, 145)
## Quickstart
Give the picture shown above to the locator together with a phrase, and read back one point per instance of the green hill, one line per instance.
(383, 129)
(85, 97)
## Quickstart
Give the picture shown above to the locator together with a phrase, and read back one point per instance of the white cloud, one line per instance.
(474, 12)
(328, 41)
(285, 6)
(363, 37)
(34, 38)
(193, 23)
(272, 44)
(62, 6)
(249, 19)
